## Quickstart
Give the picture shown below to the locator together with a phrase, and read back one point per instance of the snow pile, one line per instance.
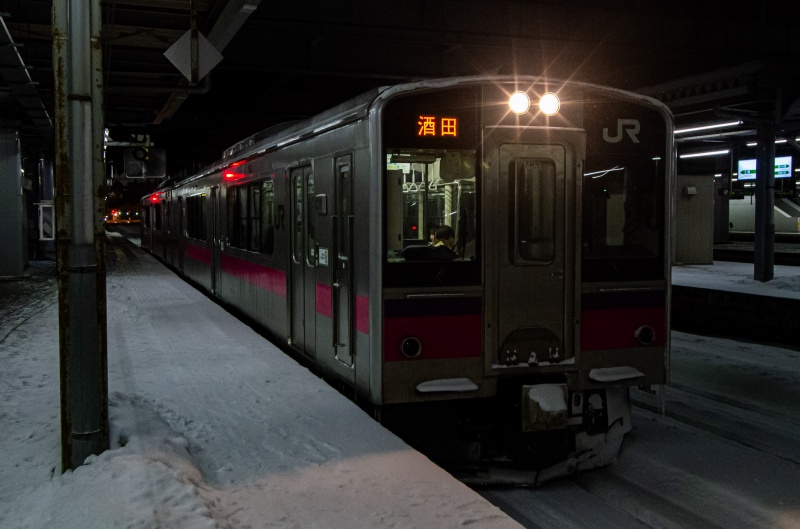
(549, 397)
(146, 480)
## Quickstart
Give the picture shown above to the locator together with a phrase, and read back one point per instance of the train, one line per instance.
(519, 339)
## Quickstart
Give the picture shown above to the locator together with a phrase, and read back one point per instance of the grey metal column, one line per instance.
(80, 235)
(764, 243)
(13, 257)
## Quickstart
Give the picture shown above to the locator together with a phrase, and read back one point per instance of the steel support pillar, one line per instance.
(80, 235)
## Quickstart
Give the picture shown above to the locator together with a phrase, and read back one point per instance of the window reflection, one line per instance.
(622, 212)
(533, 188)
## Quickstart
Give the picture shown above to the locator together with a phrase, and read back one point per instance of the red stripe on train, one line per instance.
(261, 276)
(454, 336)
(324, 300)
(614, 328)
(324, 306)
(362, 314)
(198, 253)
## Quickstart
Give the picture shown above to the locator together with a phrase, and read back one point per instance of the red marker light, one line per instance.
(230, 174)
(414, 228)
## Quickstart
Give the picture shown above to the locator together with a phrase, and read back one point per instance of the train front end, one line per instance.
(523, 332)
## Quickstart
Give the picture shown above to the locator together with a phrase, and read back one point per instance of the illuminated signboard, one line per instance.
(446, 119)
(428, 125)
(783, 168)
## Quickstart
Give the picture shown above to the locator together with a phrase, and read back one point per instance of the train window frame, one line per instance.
(298, 215)
(158, 217)
(196, 217)
(344, 207)
(254, 217)
(167, 216)
(445, 182)
(244, 217)
(612, 200)
(310, 221)
(268, 219)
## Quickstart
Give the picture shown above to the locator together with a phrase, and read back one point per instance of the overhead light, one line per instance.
(707, 153)
(709, 127)
(753, 144)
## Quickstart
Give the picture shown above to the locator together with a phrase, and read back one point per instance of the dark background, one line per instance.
(287, 60)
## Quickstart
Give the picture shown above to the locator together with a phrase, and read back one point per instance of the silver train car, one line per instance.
(521, 339)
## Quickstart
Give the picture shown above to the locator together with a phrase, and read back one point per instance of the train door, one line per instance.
(343, 262)
(216, 241)
(303, 261)
(531, 203)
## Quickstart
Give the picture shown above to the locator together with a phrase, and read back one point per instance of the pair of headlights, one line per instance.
(520, 103)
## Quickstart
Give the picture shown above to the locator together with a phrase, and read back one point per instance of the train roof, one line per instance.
(359, 107)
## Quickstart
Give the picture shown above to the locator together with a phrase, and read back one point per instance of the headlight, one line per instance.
(519, 102)
(549, 104)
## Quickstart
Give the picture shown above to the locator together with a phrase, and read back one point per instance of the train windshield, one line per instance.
(624, 186)
(430, 205)
(623, 218)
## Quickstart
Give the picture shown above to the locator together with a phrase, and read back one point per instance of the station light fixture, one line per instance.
(706, 153)
(777, 142)
(710, 126)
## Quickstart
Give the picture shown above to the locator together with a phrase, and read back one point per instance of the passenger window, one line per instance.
(267, 195)
(254, 217)
(195, 217)
(311, 251)
(167, 217)
(297, 239)
(158, 217)
(430, 192)
(244, 217)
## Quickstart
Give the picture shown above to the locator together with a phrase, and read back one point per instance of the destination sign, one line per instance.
(431, 125)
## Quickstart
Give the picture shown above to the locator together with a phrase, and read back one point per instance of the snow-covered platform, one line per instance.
(724, 299)
(211, 426)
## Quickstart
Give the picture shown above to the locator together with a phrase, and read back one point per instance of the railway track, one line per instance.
(711, 460)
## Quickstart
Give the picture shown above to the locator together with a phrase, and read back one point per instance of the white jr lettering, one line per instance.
(631, 126)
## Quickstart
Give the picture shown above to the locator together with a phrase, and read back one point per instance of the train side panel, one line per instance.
(303, 277)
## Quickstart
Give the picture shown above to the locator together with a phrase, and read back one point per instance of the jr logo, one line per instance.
(631, 126)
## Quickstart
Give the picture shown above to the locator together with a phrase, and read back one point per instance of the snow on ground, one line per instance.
(738, 277)
(211, 427)
(216, 428)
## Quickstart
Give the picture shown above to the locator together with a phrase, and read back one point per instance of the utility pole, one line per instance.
(80, 236)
